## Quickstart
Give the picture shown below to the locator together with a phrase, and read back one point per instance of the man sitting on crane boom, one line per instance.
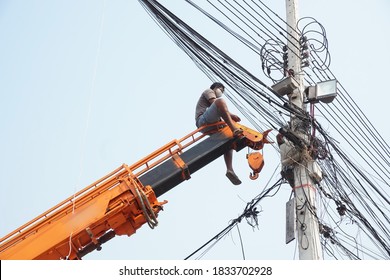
(211, 107)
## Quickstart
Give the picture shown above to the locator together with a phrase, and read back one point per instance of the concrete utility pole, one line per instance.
(304, 187)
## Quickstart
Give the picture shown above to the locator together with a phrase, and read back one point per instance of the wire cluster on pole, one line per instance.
(355, 198)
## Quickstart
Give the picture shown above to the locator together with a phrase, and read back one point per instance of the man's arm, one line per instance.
(233, 116)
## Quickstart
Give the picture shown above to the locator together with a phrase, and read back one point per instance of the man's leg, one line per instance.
(223, 110)
(228, 156)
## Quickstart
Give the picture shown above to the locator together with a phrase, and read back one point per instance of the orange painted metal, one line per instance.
(256, 163)
(110, 203)
(185, 173)
(113, 205)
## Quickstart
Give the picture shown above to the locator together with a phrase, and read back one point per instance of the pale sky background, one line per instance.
(88, 85)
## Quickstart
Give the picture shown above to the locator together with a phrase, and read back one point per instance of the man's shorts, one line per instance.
(211, 115)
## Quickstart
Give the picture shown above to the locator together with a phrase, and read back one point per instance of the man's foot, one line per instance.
(233, 178)
(238, 132)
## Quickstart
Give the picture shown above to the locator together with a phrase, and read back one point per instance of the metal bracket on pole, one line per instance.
(290, 220)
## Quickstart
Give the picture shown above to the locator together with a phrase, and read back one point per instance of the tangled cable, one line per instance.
(250, 214)
(360, 193)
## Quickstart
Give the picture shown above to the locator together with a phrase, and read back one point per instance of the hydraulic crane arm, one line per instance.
(171, 173)
(122, 201)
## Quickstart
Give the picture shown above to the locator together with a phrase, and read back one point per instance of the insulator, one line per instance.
(305, 54)
(285, 48)
(341, 209)
(305, 46)
(306, 63)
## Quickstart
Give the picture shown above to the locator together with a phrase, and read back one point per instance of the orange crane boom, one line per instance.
(123, 200)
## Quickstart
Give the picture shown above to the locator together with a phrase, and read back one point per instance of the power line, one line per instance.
(263, 107)
(250, 212)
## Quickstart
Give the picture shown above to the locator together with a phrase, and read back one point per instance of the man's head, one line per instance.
(218, 88)
(217, 85)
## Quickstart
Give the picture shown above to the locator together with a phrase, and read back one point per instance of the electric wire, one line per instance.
(263, 106)
(249, 211)
(88, 117)
(354, 133)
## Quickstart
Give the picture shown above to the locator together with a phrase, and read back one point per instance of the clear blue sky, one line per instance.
(88, 85)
